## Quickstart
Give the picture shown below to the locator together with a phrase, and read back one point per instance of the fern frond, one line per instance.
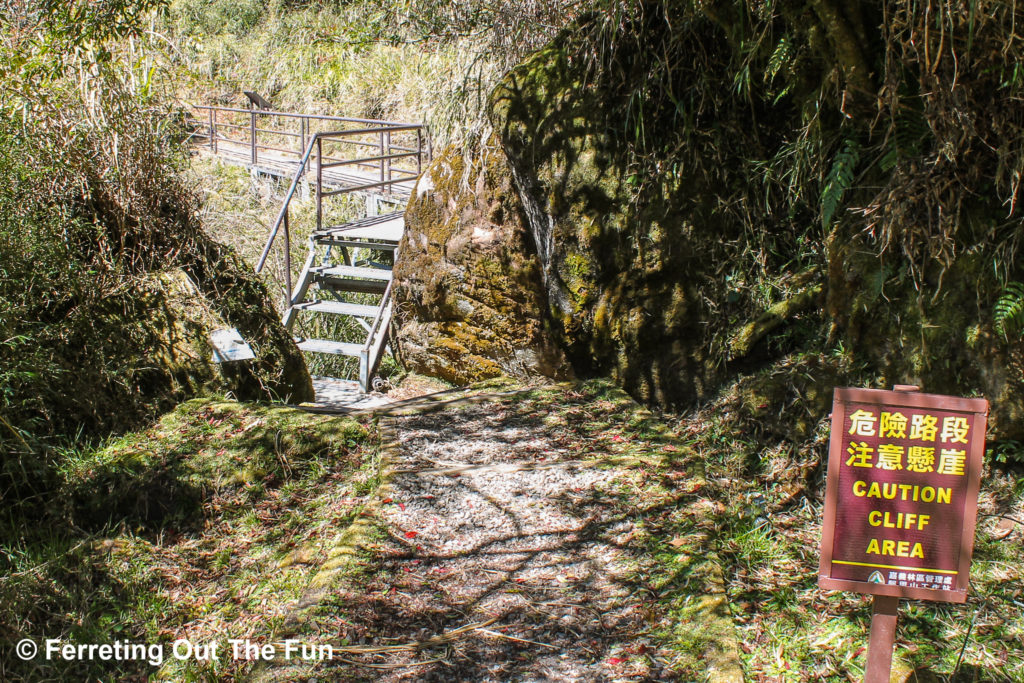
(1008, 313)
(908, 135)
(838, 181)
(781, 59)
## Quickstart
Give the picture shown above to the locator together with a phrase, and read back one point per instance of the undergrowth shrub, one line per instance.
(93, 210)
(205, 17)
(422, 60)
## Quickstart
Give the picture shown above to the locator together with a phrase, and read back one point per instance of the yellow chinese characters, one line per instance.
(860, 454)
(924, 427)
(893, 425)
(862, 423)
(890, 456)
(920, 459)
(952, 462)
(954, 430)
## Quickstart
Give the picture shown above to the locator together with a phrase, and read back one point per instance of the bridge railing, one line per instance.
(345, 154)
(366, 153)
(389, 177)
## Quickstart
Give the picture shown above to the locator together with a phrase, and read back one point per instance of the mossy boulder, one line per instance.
(930, 325)
(634, 264)
(157, 334)
(279, 371)
(470, 304)
(688, 227)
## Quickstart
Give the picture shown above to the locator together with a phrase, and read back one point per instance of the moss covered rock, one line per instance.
(470, 304)
(932, 328)
(634, 264)
(697, 207)
(279, 371)
(156, 334)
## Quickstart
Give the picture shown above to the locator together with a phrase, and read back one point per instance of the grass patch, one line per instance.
(209, 525)
(762, 506)
(728, 502)
(281, 542)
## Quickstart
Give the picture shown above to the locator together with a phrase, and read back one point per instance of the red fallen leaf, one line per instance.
(410, 534)
(386, 500)
(617, 438)
(615, 660)
(401, 506)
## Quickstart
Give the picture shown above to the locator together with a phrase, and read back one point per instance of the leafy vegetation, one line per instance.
(422, 61)
(104, 271)
(722, 490)
(746, 129)
(1008, 314)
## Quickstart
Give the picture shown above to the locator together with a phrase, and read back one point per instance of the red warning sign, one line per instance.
(901, 498)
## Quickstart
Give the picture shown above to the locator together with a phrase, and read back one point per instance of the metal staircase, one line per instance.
(327, 286)
(347, 270)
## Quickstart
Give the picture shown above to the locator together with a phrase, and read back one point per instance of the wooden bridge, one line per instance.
(347, 270)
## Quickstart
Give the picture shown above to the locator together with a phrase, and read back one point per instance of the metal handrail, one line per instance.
(296, 115)
(384, 161)
(366, 160)
(316, 140)
(390, 174)
(281, 216)
(379, 317)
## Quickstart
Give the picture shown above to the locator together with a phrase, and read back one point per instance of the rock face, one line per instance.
(469, 299)
(279, 371)
(623, 260)
(156, 334)
(657, 223)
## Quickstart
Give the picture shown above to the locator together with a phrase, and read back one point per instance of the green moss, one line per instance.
(469, 289)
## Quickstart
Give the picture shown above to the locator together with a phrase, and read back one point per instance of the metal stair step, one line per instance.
(386, 227)
(347, 284)
(336, 241)
(338, 308)
(332, 347)
(352, 272)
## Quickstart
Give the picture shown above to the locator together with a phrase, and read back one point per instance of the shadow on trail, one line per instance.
(540, 565)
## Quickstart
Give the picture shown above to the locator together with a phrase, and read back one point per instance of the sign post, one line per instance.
(901, 501)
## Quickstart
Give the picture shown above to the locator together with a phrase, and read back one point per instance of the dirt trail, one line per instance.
(495, 525)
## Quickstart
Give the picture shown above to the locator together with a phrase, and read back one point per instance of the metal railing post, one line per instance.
(287, 261)
(419, 151)
(319, 183)
(210, 111)
(388, 161)
(252, 135)
(381, 155)
(302, 135)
